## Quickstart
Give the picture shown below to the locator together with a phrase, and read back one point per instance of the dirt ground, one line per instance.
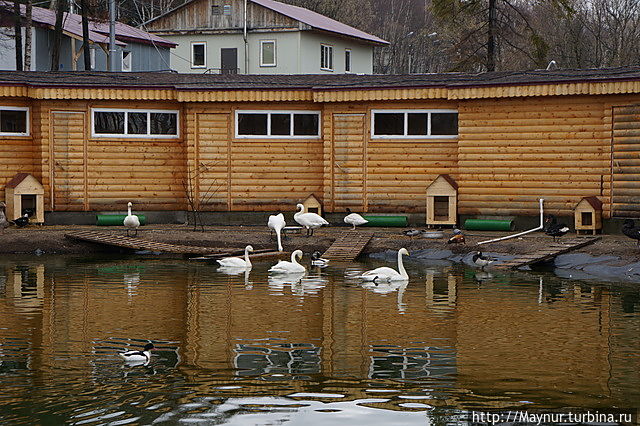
(51, 240)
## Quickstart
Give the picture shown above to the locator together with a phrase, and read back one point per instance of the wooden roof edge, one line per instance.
(594, 201)
(17, 180)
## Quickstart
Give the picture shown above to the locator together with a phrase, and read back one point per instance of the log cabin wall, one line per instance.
(381, 175)
(81, 172)
(249, 174)
(514, 151)
(17, 153)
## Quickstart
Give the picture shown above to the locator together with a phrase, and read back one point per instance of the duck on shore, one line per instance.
(555, 229)
(630, 229)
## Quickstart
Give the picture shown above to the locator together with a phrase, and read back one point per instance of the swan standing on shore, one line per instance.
(131, 221)
(354, 219)
(285, 267)
(276, 223)
(310, 221)
(388, 274)
(236, 262)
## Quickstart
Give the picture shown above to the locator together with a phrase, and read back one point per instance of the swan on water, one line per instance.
(286, 267)
(385, 273)
(237, 262)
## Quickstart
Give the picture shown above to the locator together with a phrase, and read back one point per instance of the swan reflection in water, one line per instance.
(235, 271)
(301, 284)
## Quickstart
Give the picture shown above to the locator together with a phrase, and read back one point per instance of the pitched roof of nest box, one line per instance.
(441, 181)
(593, 201)
(24, 182)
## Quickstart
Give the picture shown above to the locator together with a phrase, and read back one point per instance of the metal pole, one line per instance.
(112, 36)
(246, 41)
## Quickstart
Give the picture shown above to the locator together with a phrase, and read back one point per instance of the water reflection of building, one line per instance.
(483, 338)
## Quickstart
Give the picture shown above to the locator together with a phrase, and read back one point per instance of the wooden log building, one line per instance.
(369, 142)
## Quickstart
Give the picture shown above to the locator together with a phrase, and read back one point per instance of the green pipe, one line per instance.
(116, 219)
(488, 225)
(400, 221)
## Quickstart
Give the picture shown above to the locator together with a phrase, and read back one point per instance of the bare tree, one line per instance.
(17, 20)
(57, 35)
(28, 27)
(84, 5)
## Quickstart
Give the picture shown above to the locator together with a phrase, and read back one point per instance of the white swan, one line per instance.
(131, 221)
(310, 221)
(354, 219)
(285, 267)
(388, 274)
(236, 262)
(276, 223)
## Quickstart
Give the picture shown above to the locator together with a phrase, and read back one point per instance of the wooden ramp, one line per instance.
(348, 246)
(133, 243)
(548, 253)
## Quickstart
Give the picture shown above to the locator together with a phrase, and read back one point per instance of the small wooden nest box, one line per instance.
(588, 215)
(24, 193)
(312, 205)
(442, 201)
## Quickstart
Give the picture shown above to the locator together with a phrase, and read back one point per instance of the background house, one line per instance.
(280, 39)
(136, 50)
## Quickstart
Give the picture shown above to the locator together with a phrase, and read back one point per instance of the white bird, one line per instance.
(388, 274)
(131, 221)
(285, 267)
(276, 223)
(138, 356)
(354, 219)
(310, 221)
(237, 262)
(4, 223)
(317, 260)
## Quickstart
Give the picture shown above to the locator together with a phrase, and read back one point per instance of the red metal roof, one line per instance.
(17, 180)
(317, 20)
(98, 31)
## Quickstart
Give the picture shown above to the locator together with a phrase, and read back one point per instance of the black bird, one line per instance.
(481, 260)
(630, 230)
(21, 222)
(555, 229)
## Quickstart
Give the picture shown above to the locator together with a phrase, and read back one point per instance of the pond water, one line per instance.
(319, 349)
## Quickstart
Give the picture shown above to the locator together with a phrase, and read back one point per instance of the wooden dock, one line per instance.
(348, 246)
(547, 253)
(133, 243)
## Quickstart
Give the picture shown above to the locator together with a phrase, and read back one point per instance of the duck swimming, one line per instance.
(481, 260)
(138, 356)
(318, 260)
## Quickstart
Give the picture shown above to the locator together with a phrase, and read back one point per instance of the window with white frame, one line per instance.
(126, 60)
(347, 60)
(267, 53)
(199, 54)
(278, 124)
(326, 57)
(226, 9)
(14, 121)
(413, 124)
(134, 123)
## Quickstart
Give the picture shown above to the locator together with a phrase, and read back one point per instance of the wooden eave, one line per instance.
(379, 94)
(258, 95)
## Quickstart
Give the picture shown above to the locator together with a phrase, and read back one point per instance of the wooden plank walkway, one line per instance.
(348, 246)
(133, 243)
(547, 253)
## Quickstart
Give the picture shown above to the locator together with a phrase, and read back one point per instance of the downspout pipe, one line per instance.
(112, 35)
(246, 41)
(508, 237)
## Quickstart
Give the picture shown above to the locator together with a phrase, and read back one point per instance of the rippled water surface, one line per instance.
(319, 349)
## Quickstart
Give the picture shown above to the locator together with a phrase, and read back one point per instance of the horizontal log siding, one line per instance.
(274, 175)
(514, 151)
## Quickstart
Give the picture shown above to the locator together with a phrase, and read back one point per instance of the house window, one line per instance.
(226, 10)
(216, 9)
(126, 60)
(267, 53)
(198, 55)
(326, 57)
(412, 124)
(347, 60)
(134, 123)
(278, 124)
(14, 121)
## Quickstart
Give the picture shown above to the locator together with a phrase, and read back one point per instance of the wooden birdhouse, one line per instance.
(442, 202)
(25, 194)
(312, 205)
(588, 215)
